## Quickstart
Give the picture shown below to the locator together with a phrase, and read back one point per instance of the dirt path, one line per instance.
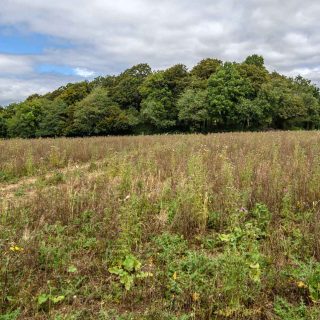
(9, 190)
(15, 186)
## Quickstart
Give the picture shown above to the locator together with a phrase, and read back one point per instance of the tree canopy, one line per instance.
(212, 96)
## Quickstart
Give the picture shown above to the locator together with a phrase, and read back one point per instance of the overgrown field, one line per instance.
(222, 226)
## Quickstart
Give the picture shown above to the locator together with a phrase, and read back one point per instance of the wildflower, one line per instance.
(174, 276)
(151, 262)
(16, 249)
(195, 296)
(301, 284)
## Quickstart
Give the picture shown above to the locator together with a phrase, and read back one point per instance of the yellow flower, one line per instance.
(301, 284)
(151, 261)
(195, 296)
(174, 276)
(15, 249)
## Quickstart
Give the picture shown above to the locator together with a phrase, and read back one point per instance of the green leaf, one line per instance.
(255, 272)
(127, 280)
(42, 298)
(225, 237)
(72, 269)
(143, 275)
(57, 299)
(10, 316)
(115, 270)
(131, 263)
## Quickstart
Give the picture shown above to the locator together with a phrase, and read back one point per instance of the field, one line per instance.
(171, 227)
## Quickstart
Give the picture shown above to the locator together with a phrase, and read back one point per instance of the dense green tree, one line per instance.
(212, 96)
(309, 102)
(291, 104)
(106, 82)
(256, 74)
(200, 74)
(306, 86)
(226, 89)
(160, 92)
(25, 120)
(205, 68)
(154, 112)
(71, 93)
(116, 121)
(33, 97)
(194, 109)
(98, 114)
(177, 79)
(53, 120)
(3, 124)
(157, 107)
(255, 60)
(252, 114)
(311, 97)
(126, 90)
(89, 112)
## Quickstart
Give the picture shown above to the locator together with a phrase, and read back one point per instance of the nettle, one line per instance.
(243, 242)
(128, 271)
(261, 217)
(242, 257)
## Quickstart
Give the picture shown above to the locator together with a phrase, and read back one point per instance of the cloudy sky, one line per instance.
(45, 44)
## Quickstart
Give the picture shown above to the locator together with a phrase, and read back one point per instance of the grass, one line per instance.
(222, 226)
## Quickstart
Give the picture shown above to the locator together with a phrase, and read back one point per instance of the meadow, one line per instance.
(168, 227)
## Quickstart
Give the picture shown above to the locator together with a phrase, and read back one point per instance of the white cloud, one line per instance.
(109, 36)
(14, 64)
(17, 89)
(309, 73)
(85, 73)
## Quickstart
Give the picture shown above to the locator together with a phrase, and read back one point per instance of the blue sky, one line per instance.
(15, 41)
(46, 44)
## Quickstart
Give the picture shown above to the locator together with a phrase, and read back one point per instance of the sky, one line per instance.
(46, 44)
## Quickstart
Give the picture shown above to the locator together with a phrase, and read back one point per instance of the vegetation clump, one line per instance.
(217, 226)
(213, 96)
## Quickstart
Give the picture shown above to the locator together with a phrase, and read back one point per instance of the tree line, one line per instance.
(212, 96)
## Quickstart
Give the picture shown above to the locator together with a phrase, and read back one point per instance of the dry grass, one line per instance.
(227, 224)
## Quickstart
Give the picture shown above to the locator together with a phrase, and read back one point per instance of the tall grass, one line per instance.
(221, 226)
